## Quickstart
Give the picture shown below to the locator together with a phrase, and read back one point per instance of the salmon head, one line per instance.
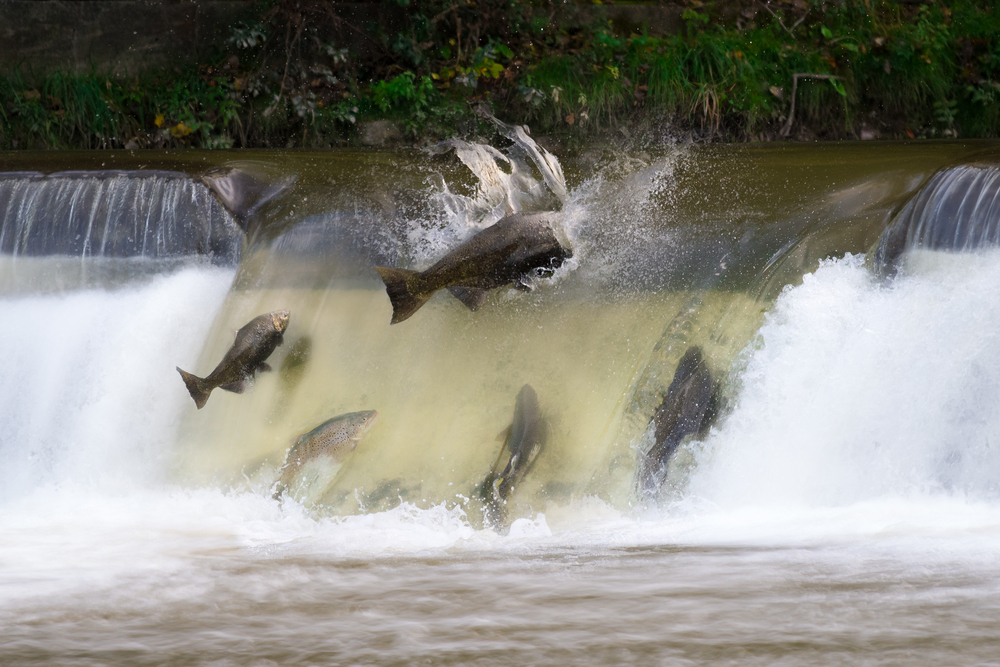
(279, 319)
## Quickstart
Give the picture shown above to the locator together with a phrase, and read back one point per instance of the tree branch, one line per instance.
(787, 129)
(795, 25)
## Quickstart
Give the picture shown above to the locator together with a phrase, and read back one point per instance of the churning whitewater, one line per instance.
(87, 399)
(843, 427)
(840, 411)
(857, 391)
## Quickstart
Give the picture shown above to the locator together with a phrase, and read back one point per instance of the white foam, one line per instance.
(505, 185)
(89, 390)
(855, 391)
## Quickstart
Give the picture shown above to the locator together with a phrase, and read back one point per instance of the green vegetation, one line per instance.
(865, 68)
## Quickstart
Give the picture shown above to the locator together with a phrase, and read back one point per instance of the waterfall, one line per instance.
(114, 214)
(663, 260)
(88, 385)
(840, 506)
(958, 210)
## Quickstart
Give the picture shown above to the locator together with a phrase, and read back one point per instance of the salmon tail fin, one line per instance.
(404, 302)
(196, 387)
(472, 297)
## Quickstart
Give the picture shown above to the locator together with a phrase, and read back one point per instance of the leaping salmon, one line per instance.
(334, 438)
(688, 408)
(511, 251)
(254, 344)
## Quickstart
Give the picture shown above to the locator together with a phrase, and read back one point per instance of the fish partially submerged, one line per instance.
(687, 409)
(291, 372)
(242, 194)
(511, 251)
(335, 438)
(254, 344)
(523, 440)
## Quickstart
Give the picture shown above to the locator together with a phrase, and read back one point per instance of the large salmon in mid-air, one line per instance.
(512, 251)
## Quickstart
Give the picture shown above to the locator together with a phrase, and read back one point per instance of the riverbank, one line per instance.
(298, 74)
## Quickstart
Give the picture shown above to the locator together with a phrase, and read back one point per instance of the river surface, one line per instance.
(842, 509)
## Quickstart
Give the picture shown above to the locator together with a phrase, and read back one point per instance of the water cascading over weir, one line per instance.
(136, 213)
(957, 210)
(673, 248)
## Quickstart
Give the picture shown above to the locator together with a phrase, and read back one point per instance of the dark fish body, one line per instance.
(334, 438)
(524, 439)
(684, 411)
(254, 344)
(242, 194)
(509, 252)
(296, 360)
(291, 371)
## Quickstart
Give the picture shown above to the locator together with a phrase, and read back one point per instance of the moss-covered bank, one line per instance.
(756, 71)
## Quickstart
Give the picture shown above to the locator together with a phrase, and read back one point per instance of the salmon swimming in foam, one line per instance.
(510, 252)
(688, 408)
(523, 440)
(254, 344)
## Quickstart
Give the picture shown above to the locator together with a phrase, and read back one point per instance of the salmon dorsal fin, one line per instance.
(472, 297)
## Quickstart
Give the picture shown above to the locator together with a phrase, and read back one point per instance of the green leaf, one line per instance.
(826, 32)
(838, 86)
